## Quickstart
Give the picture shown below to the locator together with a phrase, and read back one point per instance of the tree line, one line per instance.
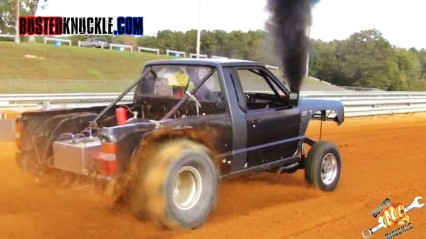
(365, 59)
(235, 44)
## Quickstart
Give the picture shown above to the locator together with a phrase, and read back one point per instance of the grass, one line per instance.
(63, 86)
(40, 68)
(64, 62)
(35, 67)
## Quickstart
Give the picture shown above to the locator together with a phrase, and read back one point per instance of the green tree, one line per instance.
(422, 61)
(256, 48)
(368, 60)
(178, 42)
(7, 17)
(165, 40)
(126, 40)
(148, 41)
(208, 42)
(220, 39)
(7, 13)
(29, 7)
(190, 39)
(325, 63)
(236, 45)
(409, 69)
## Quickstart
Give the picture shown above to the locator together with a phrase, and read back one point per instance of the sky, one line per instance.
(402, 23)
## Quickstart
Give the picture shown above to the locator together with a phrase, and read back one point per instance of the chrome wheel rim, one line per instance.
(328, 168)
(187, 188)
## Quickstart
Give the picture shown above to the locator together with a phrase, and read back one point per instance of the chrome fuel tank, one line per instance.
(75, 157)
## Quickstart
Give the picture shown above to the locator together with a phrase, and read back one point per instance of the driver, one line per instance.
(179, 81)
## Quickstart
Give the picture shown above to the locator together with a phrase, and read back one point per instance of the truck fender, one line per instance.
(320, 109)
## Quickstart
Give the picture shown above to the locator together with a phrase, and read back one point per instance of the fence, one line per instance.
(121, 47)
(175, 53)
(155, 50)
(46, 39)
(7, 36)
(91, 44)
(194, 55)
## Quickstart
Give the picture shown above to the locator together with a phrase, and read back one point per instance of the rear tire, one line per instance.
(323, 166)
(178, 189)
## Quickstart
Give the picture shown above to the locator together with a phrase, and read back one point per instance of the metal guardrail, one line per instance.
(7, 36)
(44, 102)
(375, 102)
(355, 103)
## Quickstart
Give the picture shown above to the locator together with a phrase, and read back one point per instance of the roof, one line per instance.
(204, 62)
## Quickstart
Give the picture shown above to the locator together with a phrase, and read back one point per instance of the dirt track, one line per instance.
(383, 157)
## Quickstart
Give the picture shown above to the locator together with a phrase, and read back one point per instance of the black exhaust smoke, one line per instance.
(288, 24)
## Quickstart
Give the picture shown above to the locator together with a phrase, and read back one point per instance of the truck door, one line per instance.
(272, 124)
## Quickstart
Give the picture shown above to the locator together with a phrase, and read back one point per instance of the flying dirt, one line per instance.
(384, 158)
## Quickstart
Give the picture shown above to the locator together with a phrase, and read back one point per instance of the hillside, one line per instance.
(39, 61)
(39, 68)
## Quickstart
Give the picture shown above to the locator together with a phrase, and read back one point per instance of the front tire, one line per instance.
(179, 185)
(323, 166)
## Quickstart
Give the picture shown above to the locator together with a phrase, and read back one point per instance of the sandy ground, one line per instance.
(382, 157)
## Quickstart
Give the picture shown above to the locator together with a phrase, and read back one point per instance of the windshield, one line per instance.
(173, 81)
(166, 90)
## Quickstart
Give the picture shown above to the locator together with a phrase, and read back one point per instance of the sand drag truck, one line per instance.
(191, 122)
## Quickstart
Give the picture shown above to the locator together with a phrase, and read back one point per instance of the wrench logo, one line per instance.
(394, 214)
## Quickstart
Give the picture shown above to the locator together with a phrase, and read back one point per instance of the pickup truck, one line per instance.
(191, 122)
(94, 42)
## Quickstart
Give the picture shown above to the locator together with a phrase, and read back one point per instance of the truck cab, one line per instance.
(242, 101)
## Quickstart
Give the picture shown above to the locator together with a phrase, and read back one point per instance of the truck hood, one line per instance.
(333, 108)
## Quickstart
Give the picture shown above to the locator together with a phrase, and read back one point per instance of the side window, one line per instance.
(260, 90)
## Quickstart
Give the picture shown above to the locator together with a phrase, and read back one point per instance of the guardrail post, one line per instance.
(46, 105)
(7, 128)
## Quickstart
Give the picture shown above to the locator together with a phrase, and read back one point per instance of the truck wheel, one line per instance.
(179, 185)
(323, 166)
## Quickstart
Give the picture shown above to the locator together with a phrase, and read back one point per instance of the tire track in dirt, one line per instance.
(284, 219)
